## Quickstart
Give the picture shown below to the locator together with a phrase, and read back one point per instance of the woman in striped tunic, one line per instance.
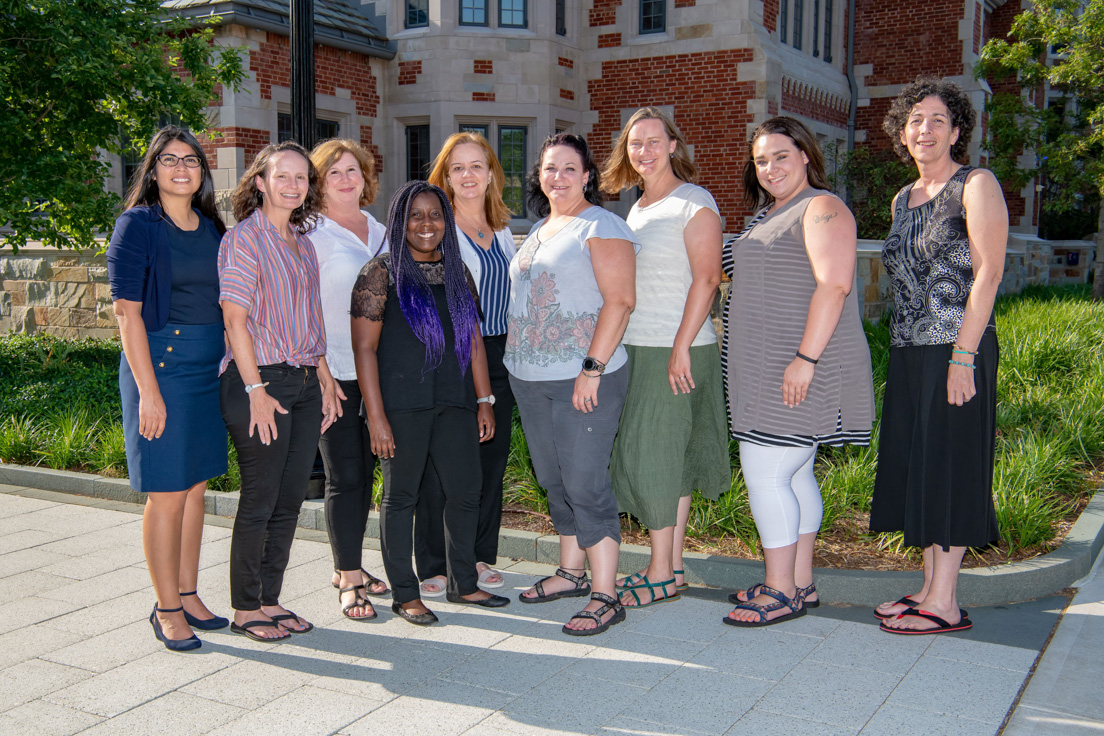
(797, 362)
(469, 172)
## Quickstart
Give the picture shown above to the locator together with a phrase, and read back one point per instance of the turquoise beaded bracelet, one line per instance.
(968, 365)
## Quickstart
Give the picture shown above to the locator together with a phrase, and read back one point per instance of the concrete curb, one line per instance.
(986, 586)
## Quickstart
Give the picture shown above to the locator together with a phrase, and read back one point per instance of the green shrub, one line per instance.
(71, 439)
(21, 441)
(108, 454)
(43, 374)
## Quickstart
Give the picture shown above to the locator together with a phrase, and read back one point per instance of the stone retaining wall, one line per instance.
(66, 293)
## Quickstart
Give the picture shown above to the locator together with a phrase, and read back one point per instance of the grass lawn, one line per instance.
(59, 407)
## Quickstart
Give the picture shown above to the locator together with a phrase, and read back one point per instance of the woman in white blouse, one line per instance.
(345, 238)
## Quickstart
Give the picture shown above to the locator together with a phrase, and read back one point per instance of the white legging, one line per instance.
(783, 492)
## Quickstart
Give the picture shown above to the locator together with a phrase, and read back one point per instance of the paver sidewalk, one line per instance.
(77, 655)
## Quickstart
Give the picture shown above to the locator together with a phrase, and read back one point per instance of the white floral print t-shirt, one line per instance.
(554, 299)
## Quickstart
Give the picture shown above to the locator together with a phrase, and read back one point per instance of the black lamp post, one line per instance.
(303, 128)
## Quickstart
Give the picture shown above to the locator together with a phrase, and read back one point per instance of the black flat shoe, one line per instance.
(418, 619)
(205, 624)
(494, 601)
(174, 645)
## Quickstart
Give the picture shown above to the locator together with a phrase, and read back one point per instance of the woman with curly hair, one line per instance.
(945, 256)
(277, 394)
(572, 288)
(422, 370)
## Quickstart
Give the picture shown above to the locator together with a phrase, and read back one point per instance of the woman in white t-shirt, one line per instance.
(345, 238)
(673, 438)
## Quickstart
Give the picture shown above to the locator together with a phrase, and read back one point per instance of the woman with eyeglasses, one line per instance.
(162, 265)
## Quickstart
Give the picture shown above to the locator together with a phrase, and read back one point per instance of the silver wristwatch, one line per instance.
(486, 400)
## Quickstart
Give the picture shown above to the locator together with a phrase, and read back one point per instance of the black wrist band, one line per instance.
(806, 358)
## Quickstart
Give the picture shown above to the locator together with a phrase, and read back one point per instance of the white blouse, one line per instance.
(341, 255)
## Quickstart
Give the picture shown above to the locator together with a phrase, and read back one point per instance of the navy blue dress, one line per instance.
(185, 349)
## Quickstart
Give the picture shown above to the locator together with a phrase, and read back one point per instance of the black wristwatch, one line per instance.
(593, 365)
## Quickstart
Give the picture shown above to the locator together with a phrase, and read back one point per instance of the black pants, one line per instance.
(350, 466)
(273, 478)
(445, 438)
(429, 528)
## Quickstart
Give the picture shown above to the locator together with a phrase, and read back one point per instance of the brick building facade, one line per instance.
(402, 75)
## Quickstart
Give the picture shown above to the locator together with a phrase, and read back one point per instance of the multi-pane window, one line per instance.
(513, 157)
(827, 30)
(323, 129)
(653, 16)
(561, 17)
(816, 27)
(417, 13)
(473, 12)
(783, 17)
(798, 19)
(512, 14)
(418, 155)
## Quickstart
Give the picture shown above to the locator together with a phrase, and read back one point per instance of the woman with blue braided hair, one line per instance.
(422, 371)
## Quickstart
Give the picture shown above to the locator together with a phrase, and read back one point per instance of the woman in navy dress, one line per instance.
(162, 264)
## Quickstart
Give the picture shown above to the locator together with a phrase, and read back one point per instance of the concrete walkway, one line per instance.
(77, 656)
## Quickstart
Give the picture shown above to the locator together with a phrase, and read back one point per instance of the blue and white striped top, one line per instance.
(494, 286)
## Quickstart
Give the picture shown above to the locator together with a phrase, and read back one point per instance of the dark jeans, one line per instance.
(273, 478)
(446, 438)
(350, 465)
(429, 527)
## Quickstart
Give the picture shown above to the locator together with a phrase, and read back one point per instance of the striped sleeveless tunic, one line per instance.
(764, 320)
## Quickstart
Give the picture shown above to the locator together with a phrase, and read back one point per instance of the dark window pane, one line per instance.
(474, 128)
(473, 12)
(326, 129)
(561, 17)
(417, 152)
(512, 156)
(798, 19)
(417, 13)
(323, 129)
(816, 27)
(511, 13)
(283, 127)
(653, 16)
(783, 16)
(827, 30)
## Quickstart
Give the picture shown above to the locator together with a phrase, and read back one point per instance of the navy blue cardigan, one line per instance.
(139, 264)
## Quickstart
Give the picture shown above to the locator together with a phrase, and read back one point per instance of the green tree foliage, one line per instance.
(872, 177)
(80, 77)
(1068, 140)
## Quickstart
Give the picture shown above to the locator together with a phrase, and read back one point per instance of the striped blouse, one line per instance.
(494, 286)
(259, 272)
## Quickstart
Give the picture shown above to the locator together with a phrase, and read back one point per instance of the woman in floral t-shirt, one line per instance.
(572, 287)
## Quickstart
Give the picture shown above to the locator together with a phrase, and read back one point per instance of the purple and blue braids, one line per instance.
(415, 297)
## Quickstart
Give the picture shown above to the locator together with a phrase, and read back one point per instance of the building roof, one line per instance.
(336, 23)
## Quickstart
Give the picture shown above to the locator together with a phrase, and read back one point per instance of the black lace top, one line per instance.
(404, 382)
(927, 255)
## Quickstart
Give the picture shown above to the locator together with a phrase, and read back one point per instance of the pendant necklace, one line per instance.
(478, 229)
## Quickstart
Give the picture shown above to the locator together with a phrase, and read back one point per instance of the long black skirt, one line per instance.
(935, 460)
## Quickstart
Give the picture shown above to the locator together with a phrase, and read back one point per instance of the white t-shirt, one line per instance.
(555, 300)
(663, 274)
(341, 255)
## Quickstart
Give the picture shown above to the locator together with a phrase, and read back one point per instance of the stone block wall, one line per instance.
(58, 292)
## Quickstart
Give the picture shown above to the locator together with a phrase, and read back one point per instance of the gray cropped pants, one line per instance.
(571, 452)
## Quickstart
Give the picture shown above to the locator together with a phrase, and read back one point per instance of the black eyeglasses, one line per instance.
(169, 160)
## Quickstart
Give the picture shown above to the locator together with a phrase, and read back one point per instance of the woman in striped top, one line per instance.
(276, 392)
(469, 172)
(797, 362)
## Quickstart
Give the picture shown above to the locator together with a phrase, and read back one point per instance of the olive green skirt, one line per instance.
(668, 445)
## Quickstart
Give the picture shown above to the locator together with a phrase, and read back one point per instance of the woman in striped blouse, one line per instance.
(797, 362)
(469, 172)
(276, 392)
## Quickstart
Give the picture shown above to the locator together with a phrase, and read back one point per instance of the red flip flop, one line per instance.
(942, 626)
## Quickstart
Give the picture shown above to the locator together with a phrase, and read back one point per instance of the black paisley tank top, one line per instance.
(927, 256)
